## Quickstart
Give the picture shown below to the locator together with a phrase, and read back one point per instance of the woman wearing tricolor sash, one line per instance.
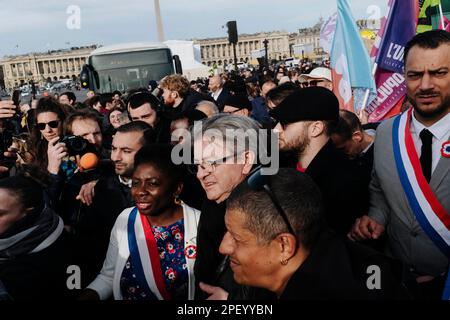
(152, 247)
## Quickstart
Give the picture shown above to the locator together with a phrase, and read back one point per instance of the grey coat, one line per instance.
(389, 206)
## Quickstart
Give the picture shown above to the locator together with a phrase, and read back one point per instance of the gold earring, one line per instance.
(284, 262)
(177, 200)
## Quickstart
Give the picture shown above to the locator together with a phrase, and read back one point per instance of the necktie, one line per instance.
(425, 157)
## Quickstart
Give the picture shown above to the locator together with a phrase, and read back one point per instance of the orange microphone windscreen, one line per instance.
(88, 161)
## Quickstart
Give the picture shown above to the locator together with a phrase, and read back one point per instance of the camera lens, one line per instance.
(78, 145)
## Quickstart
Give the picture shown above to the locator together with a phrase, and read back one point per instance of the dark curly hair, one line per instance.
(37, 144)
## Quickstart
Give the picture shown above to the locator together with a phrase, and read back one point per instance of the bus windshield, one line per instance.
(128, 70)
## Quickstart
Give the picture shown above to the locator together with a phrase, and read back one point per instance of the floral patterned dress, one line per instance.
(170, 243)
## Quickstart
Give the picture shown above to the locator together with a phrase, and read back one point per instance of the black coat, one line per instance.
(338, 269)
(345, 196)
(39, 276)
(364, 162)
(94, 228)
(211, 229)
(223, 96)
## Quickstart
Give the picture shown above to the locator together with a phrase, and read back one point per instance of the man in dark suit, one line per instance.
(350, 137)
(305, 119)
(110, 196)
(218, 92)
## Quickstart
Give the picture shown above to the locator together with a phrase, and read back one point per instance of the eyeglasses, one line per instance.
(208, 165)
(231, 112)
(52, 124)
(259, 182)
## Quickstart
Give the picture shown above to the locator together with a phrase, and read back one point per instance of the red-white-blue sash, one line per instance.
(429, 212)
(145, 256)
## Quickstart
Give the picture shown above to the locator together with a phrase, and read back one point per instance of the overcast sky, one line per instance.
(30, 25)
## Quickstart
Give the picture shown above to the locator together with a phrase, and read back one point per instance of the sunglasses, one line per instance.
(311, 83)
(259, 182)
(52, 124)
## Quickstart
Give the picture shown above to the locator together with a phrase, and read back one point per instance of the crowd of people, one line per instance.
(97, 185)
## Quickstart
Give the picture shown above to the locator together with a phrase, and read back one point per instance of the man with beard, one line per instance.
(410, 188)
(305, 121)
(109, 197)
(178, 98)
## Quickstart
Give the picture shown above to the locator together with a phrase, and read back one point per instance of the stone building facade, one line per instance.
(219, 51)
(43, 67)
(280, 44)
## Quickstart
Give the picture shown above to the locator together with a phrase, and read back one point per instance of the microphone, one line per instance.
(88, 161)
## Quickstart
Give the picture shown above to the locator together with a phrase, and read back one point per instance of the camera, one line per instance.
(77, 145)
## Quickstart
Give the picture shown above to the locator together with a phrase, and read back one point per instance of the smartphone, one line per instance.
(16, 98)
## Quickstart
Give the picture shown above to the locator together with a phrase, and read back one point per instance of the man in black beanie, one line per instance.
(305, 119)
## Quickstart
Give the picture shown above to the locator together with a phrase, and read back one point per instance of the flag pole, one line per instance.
(441, 15)
(366, 94)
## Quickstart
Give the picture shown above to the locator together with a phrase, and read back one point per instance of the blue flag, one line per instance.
(350, 62)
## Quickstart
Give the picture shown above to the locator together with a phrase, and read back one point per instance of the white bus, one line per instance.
(127, 66)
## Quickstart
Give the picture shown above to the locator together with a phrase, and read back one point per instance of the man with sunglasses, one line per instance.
(320, 77)
(305, 119)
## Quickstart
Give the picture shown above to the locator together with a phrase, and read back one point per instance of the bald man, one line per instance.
(218, 93)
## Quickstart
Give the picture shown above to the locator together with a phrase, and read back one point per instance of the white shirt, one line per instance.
(216, 94)
(127, 183)
(441, 133)
(372, 133)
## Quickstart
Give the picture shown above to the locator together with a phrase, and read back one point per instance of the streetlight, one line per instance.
(266, 42)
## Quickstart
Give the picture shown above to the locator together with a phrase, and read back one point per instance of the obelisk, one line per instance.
(159, 25)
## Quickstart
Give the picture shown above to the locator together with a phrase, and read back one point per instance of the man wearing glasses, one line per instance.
(220, 166)
(320, 77)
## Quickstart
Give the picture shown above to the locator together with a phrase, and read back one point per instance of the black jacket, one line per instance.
(338, 269)
(223, 96)
(39, 276)
(364, 162)
(93, 231)
(211, 229)
(344, 193)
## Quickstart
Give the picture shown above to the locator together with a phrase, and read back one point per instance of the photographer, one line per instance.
(77, 163)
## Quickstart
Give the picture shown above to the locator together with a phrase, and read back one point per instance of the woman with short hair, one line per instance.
(153, 245)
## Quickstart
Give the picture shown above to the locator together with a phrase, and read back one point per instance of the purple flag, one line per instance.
(400, 28)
